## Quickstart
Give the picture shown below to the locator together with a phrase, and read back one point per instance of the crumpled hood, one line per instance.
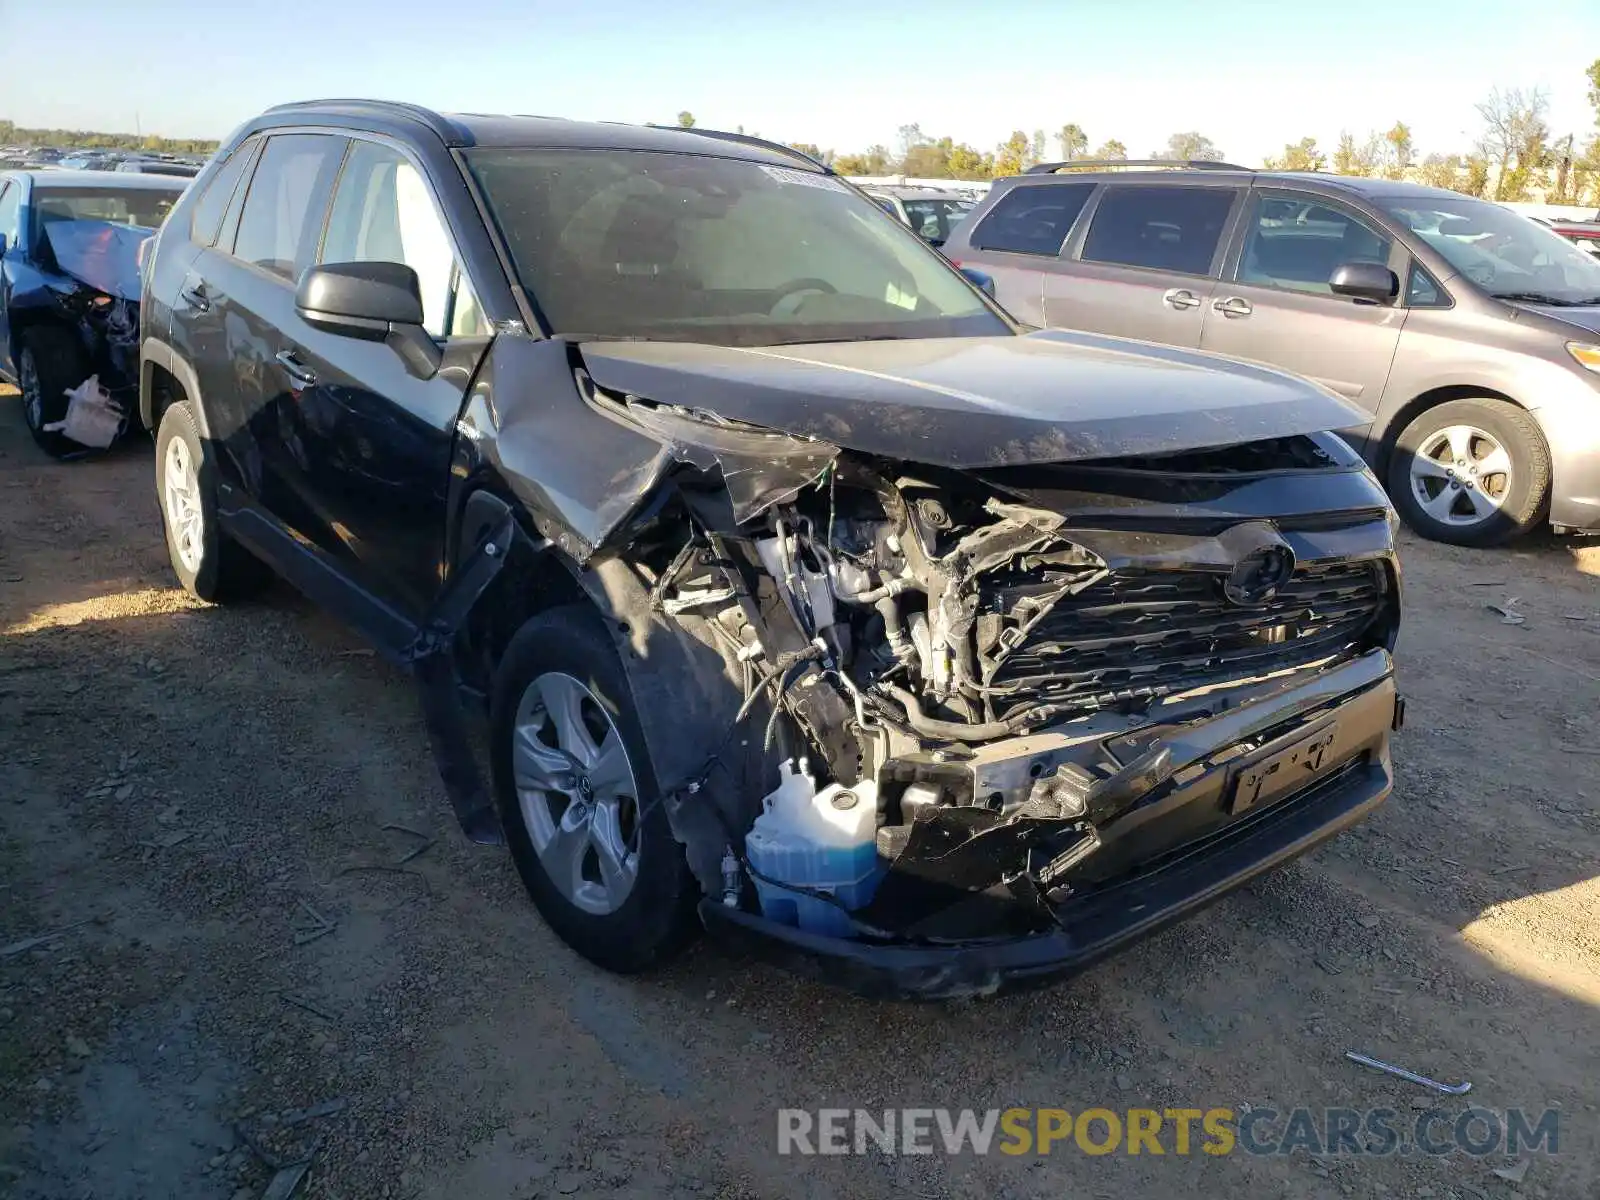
(103, 254)
(1050, 396)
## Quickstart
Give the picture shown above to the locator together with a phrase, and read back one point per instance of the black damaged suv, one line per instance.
(697, 472)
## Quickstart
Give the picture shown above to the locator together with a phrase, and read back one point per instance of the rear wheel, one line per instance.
(578, 797)
(1471, 472)
(49, 362)
(209, 564)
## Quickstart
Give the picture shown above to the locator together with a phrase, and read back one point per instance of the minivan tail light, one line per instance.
(1587, 355)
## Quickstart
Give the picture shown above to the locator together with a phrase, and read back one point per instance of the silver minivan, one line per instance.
(1468, 333)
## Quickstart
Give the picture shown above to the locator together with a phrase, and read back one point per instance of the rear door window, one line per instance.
(213, 203)
(1298, 246)
(282, 217)
(1032, 219)
(1164, 228)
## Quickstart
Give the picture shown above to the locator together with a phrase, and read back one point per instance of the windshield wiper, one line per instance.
(860, 337)
(1544, 298)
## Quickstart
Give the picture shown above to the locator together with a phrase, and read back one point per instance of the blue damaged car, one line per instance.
(70, 253)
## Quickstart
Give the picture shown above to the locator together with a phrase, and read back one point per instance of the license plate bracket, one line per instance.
(1282, 770)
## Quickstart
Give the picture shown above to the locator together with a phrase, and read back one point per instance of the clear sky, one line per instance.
(1250, 74)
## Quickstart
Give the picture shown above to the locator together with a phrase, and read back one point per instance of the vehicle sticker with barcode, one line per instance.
(804, 178)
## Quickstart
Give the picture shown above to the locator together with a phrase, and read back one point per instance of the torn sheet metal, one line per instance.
(760, 468)
(103, 254)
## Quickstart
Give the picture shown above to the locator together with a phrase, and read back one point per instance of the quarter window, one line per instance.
(1299, 245)
(283, 211)
(1422, 291)
(1032, 219)
(383, 212)
(213, 202)
(1164, 228)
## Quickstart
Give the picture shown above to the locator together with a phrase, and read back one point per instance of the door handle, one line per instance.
(196, 296)
(1180, 299)
(298, 373)
(1233, 306)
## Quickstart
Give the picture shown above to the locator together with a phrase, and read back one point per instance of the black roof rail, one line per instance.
(745, 139)
(1100, 164)
(448, 132)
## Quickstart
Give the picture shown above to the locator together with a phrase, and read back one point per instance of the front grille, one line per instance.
(1157, 632)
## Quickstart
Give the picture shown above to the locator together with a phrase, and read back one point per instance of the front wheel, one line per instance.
(210, 565)
(578, 797)
(1471, 472)
(49, 363)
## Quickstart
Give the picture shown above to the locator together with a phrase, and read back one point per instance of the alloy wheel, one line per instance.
(577, 791)
(181, 494)
(1461, 475)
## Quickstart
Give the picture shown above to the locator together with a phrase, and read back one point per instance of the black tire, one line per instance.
(1524, 497)
(49, 362)
(224, 570)
(657, 918)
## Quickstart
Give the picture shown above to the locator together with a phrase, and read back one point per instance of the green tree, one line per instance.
(1111, 149)
(1189, 147)
(967, 163)
(1476, 182)
(929, 160)
(1010, 157)
(1513, 139)
(1074, 142)
(1036, 147)
(873, 162)
(1399, 151)
(1440, 171)
(686, 119)
(1299, 156)
(1353, 158)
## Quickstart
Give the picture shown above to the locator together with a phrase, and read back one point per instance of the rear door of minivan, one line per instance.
(1020, 238)
(1145, 264)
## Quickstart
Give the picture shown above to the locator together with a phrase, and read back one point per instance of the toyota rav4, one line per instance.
(807, 597)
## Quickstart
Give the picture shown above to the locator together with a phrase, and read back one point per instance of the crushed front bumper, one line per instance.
(1358, 698)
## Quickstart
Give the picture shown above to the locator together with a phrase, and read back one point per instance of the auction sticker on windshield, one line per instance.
(804, 178)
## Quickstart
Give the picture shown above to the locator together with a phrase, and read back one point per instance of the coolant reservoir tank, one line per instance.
(820, 841)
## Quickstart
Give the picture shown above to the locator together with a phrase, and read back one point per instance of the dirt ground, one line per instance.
(228, 825)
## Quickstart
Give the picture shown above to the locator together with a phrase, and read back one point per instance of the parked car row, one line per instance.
(807, 596)
(1467, 336)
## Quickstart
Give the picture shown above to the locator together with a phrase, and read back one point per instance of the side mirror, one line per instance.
(3, 246)
(983, 280)
(1369, 281)
(372, 301)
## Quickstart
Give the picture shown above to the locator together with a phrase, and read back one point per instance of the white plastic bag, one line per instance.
(93, 418)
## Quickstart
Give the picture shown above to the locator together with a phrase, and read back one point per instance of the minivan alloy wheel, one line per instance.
(181, 491)
(577, 791)
(1461, 475)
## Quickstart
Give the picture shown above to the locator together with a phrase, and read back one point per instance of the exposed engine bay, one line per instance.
(989, 675)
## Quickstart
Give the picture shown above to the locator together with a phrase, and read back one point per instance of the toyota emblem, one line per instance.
(1256, 578)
